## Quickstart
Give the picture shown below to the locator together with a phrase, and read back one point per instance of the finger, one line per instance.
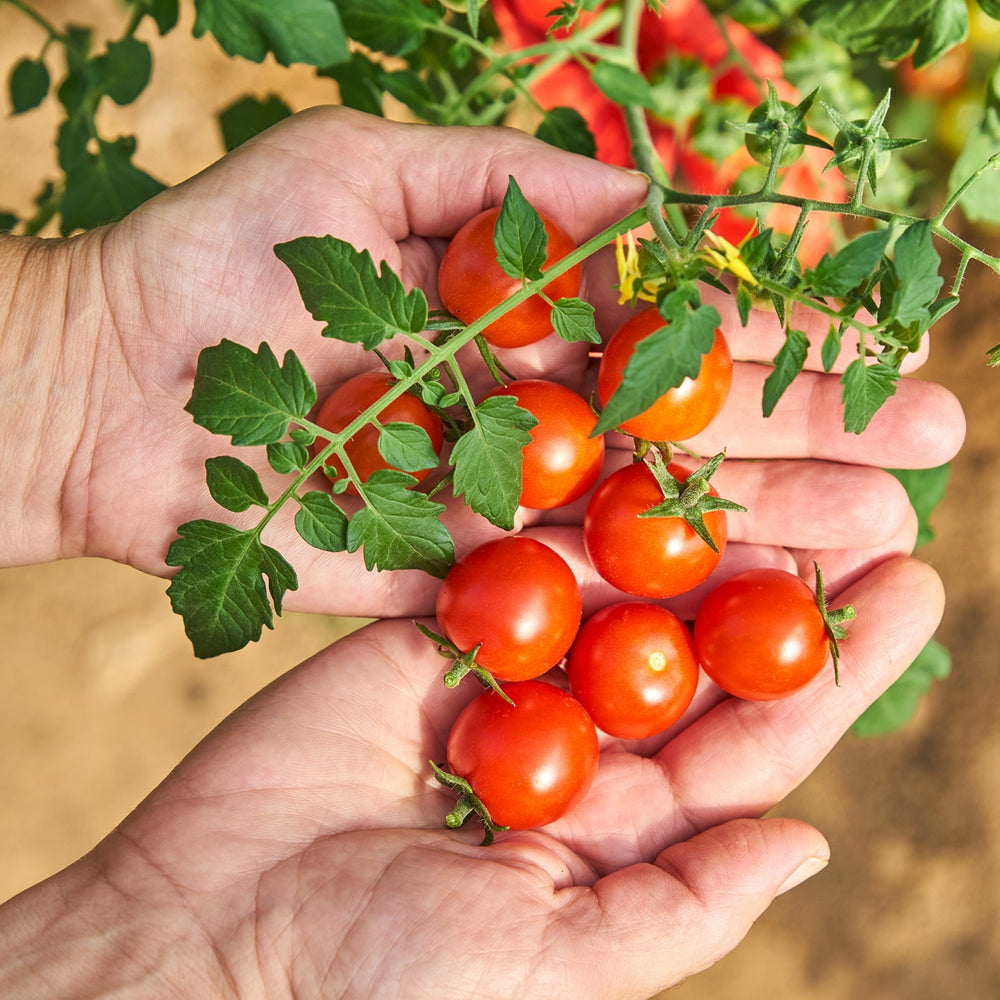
(666, 921)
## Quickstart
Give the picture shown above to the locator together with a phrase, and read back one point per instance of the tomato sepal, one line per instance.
(690, 500)
(463, 663)
(833, 619)
(467, 804)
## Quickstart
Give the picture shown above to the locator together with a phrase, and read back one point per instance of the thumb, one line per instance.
(699, 899)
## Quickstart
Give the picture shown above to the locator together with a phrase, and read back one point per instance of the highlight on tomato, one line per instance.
(471, 282)
(681, 412)
(518, 600)
(763, 634)
(352, 398)
(562, 461)
(520, 763)
(633, 668)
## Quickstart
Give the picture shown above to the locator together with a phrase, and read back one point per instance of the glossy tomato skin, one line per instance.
(647, 556)
(760, 635)
(562, 461)
(354, 396)
(529, 762)
(471, 282)
(633, 668)
(682, 411)
(517, 597)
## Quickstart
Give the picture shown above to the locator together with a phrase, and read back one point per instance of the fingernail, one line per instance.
(811, 866)
(633, 172)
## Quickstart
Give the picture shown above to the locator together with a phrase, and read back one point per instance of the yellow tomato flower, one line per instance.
(723, 255)
(629, 274)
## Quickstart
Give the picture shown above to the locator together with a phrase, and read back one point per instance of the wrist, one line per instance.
(51, 324)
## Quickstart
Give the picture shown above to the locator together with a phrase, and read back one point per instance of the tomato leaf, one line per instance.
(220, 591)
(233, 484)
(788, 363)
(124, 69)
(248, 396)
(567, 129)
(519, 236)
(897, 705)
(341, 287)
(399, 528)
(320, 522)
(395, 27)
(664, 359)
(866, 388)
(831, 347)
(248, 116)
(287, 456)
(29, 84)
(407, 447)
(296, 31)
(573, 320)
(916, 264)
(487, 459)
(622, 84)
(926, 489)
(836, 275)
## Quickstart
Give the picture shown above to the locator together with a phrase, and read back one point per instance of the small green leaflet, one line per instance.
(29, 83)
(487, 459)
(296, 31)
(248, 396)
(567, 129)
(622, 84)
(248, 116)
(916, 264)
(321, 522)
(788, 363)
(839, 274)
(519, 236)
(665, 358)
(394, 27)
(926, 489)
(573, 320)
(866, 388)
(220, 591)
(233, 484)
(407, 447)
(399, 528)
(341, 287)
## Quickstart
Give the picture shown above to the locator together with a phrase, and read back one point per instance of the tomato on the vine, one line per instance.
(648, 556)
(681, 412)
(517, 597)
(528, 762)
(352, 398)
(633, 668)
(471, 282)
(760, 634)
(562, 461)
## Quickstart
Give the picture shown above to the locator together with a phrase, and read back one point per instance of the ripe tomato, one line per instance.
(562, 461)
(647, 556)
(681, 412)
(471, 282)
(352, 398)
(517, 597)
(760, 634)
(529, 762)
(633, 668)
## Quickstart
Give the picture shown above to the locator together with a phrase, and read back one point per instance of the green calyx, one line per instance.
(833, 619)
(468, 804)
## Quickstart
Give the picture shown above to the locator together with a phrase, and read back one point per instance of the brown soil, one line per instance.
(101, 695)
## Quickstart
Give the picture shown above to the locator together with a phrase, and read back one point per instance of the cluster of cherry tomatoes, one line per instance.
(525, 751)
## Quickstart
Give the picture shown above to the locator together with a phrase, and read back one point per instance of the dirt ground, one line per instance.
(100, 695)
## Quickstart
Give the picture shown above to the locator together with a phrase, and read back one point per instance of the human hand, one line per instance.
(300, 851)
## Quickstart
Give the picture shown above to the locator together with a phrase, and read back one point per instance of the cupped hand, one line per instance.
(299, 851)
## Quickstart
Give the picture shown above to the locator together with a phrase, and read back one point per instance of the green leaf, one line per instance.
(395, 27)
(926, 489)
(991, 8)
(567, 129)
(399, 528)
(296, 31)
(8, 220)
(622, 84)
(897, 705)
(487, 459)
(916, 263)
(124, 69)
(287, 456)
(341, 287)
(573, 320)
(220, 591)
(837, 275)
(249, 396)
(29, 84)
(407, 447)
(249, 116)
(866, 388)
(830, 350)
(233, 484)
(320, 522)
(519, 236)
(359, 82)
(788, 363)
(981, 143)
(664, 359)
(164, 13)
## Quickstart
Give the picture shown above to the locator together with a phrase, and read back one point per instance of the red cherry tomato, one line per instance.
(682, 411)
(647, 556)
(633, 668)
(353, 397)
(517, 597)
(471, 282)
(529, 762)
(562, 461)
(760, 634)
